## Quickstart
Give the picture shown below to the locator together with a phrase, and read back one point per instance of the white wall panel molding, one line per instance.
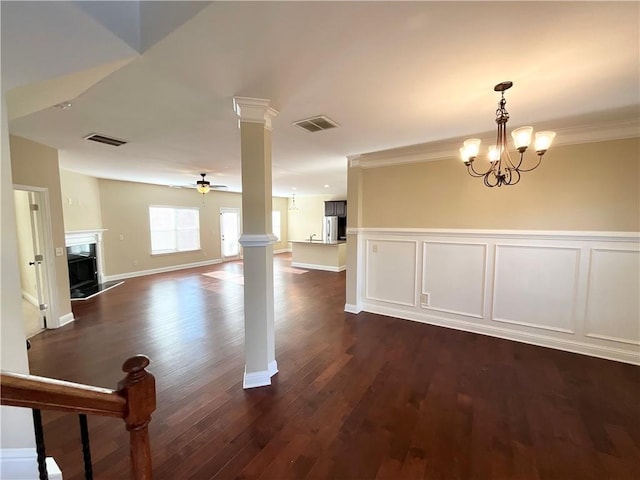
(391, 271)
(575, 291)
(466, 234)
(454, 277)
(612, 309)
(536, 286)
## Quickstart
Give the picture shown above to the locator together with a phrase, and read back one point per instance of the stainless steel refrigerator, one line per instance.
(330, 229)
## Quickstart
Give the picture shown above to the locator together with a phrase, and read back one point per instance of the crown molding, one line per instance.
(596, 127)
(254, 110)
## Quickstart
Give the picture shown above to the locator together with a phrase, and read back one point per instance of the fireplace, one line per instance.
(84, 259)
(83, 269)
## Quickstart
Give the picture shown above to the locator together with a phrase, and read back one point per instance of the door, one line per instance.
(229, 233)
(31, 257)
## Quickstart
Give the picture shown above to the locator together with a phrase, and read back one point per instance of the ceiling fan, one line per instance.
(204, 186)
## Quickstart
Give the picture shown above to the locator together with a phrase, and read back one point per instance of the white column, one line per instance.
(257, 240)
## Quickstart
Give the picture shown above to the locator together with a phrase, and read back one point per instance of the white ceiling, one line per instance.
(390, 73)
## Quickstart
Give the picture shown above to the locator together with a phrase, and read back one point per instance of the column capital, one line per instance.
(254, 110)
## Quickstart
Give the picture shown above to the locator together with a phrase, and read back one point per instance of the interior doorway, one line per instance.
(229, 233)
(32, 260)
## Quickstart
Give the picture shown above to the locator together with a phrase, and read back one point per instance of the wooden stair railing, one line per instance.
(134, 401)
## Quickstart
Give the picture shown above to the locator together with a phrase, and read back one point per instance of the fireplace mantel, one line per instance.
(81, 237)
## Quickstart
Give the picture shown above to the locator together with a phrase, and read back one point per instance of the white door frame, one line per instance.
(53, 320)
(230, 210)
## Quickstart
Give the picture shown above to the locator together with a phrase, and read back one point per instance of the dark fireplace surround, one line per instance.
(83, 269)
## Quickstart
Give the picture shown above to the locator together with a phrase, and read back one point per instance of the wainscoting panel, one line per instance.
(536, 286)
(613, 305)
(453, 277)
(391, 271)
(574, 291)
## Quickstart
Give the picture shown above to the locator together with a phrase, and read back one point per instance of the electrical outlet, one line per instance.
(135, 263)
(374, 248)
(424, 300)
(121, 236)
(59, 251)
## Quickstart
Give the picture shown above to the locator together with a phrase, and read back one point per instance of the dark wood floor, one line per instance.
(357, 397)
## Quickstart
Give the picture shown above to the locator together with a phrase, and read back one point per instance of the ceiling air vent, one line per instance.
(94, 137)
(316, 124)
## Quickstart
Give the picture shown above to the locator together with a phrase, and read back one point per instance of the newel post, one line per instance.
(139, 388)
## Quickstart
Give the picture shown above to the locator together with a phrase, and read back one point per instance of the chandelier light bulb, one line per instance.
(522, 137)
(494, 153)
(472, 147)
(543, 141)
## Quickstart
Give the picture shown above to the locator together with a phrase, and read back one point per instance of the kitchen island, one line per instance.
(319, 255)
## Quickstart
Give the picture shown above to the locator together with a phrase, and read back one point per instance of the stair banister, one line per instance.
(134, 401)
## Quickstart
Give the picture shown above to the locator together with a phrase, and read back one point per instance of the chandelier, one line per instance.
(293, 207)
(502, 170)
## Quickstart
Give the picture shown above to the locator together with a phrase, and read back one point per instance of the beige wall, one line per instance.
(25, 244)
(585, 187)
(125, 211)
(36, 165)
(308, 218)
(80, 201)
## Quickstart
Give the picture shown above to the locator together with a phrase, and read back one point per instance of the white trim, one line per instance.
(65, 319)
(282, 250)
(272, 368)
(81, 237)
(258, 379)
(31, 299)
(49, 252)
(254, 110)
(22, 464)
(600, 351)
(313, 266)
(257, 239)
(576, 280)
(349, 308)
(578, 131)
(628, 237)
(152, 271)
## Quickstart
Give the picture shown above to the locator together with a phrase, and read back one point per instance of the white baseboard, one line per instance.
(282, 250)
(31, 299)
(312, 266)
(261, 378)
(349, 308)
(173, 268)
(273, 368)
(573, 346)
(22, 464)
(64, 320)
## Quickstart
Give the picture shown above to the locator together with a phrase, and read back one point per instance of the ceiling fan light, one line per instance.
(522, 137)
(203, 187)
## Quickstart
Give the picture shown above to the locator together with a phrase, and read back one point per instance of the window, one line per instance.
(275, 220)
(174, 229)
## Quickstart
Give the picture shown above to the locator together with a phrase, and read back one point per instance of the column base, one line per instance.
(261, 378)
